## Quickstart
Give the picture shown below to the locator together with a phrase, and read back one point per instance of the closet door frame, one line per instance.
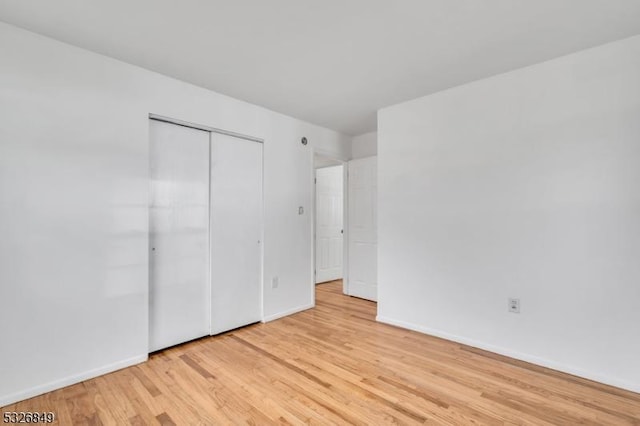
(213, 131)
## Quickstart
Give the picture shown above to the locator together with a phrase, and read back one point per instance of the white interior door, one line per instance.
(178, 235)
(236, 232)
(363, 235)
(329, 230)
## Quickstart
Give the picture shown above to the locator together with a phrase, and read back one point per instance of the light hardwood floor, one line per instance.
(335, 365)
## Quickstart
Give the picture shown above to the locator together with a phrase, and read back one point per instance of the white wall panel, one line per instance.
(74, 170)
(522, 185)
(364, 145)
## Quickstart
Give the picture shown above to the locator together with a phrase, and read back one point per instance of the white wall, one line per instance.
(73, 206)
(364, 145)
(521, 185)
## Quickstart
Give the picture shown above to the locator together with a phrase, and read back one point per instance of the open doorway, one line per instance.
(329, 219)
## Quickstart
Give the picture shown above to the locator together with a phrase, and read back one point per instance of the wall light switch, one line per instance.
(300, 210)
(274, 282)
(514, 306)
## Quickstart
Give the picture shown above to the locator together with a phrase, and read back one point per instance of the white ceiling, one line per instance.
(330, 62)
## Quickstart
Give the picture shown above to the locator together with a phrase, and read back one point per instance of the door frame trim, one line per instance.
(345, 221)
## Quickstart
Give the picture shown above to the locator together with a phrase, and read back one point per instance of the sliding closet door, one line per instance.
(236, 232)
(178, 235)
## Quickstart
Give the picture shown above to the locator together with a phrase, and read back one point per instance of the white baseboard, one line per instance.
(597, 377)
(287, 313)
(71, 380)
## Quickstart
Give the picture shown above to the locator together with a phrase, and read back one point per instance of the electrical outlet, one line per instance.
(514, 306)
(274, 282)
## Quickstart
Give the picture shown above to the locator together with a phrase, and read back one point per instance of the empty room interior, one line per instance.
(359, 212)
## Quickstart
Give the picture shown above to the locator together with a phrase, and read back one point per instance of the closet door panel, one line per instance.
(179, 286)
(236, 232)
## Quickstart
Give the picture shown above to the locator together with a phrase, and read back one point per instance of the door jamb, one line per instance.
(345, 222)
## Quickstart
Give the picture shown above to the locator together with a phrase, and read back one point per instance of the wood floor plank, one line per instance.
(335, 364)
